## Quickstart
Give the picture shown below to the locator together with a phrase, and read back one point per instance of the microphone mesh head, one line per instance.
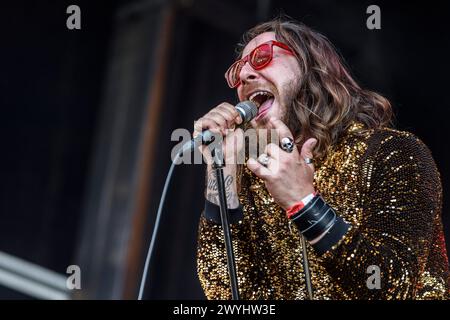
(247, 109)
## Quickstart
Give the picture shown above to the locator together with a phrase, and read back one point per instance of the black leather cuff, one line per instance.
(316, 217)
(212, 213)
(332, 237)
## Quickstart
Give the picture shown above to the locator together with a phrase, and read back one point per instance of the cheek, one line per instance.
(290, 78)
(284, 77)
(290, 71)
(289, 87)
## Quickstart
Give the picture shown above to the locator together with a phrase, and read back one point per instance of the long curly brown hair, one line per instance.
(329, 100)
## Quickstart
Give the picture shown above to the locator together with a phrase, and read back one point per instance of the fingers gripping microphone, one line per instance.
(247, 111)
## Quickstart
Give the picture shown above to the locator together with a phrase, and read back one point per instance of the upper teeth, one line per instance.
(265, 93)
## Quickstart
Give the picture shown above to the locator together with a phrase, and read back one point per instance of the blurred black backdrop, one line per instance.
(136, 71)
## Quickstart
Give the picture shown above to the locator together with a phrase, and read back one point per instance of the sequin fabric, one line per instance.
(385, 183)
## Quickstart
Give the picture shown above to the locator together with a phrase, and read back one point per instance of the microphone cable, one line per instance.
(156, 226)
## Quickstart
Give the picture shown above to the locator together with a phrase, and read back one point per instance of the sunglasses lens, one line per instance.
(233, 73)
(261, 56)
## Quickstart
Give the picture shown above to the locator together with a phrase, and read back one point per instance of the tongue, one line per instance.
(266, 105)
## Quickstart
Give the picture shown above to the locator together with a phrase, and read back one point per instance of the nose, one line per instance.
(248, 74)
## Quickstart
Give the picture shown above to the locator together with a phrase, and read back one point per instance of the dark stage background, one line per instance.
(87, 117)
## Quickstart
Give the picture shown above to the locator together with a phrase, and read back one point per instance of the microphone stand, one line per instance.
(218, 164)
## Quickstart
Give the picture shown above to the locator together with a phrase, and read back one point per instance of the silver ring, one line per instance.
(287, 144)
(264, 159)
(308, 160)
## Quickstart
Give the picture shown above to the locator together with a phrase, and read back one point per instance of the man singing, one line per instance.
(367, 198)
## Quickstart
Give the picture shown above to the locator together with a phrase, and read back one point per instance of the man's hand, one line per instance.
(222, 120)
(287, 177)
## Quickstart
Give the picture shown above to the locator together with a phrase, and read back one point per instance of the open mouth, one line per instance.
(263, 100)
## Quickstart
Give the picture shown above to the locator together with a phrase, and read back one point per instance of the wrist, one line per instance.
(298, 205)
(228, 169)
(320, 224)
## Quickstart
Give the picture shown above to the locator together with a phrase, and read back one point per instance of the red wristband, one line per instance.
(296, 207)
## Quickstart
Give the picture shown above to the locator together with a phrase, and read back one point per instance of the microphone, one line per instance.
(247, 111)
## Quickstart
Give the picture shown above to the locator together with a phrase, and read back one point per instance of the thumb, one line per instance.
(308, 147)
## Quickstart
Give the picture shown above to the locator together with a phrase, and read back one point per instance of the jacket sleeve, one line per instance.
(401, 211)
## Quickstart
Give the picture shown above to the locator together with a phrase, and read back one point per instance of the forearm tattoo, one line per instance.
(212, 191)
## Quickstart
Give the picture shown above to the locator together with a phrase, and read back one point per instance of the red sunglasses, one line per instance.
(259, 58)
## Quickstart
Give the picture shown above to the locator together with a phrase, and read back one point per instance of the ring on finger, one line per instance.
(287, 144)
(308, 160)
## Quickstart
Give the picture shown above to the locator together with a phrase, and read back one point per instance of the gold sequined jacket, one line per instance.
(384, 183)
